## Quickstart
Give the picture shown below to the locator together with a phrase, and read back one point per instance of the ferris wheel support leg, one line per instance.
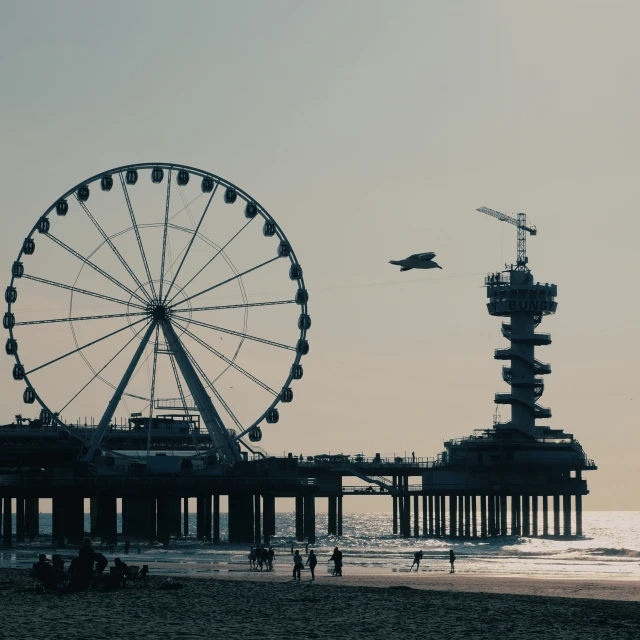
(117, 396)
(219, 434)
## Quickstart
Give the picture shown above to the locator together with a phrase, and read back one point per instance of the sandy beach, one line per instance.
(242, 604)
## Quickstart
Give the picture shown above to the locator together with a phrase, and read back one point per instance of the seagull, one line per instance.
(417, 261)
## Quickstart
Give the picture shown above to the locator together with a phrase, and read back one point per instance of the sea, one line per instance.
(609, 549)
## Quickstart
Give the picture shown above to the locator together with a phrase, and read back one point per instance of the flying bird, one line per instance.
(417, 261)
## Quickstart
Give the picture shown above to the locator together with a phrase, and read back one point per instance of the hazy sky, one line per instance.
(372, 130)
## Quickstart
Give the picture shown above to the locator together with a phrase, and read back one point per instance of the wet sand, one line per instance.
(243, 604)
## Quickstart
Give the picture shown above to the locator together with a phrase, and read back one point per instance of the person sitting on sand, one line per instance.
(121, 572)
(337, 560)
(452, 559)
(42, 571)
(298, 564)
(416, 560)
(101, 562)
(312, 561)
(270, 555)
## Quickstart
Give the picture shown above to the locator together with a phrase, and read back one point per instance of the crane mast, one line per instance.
(521, 223)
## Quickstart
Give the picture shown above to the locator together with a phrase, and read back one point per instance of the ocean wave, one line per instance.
(612, 551)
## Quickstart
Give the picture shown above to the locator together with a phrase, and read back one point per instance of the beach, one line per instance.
(244, 604)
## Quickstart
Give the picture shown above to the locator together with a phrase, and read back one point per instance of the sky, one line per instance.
(369, 130)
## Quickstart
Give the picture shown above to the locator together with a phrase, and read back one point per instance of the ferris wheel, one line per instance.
(157, 289)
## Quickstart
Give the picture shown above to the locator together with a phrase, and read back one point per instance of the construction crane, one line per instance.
(523, 229)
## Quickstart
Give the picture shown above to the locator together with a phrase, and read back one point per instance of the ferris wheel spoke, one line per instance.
(107, 239)
(234, 333)
(164, 236)
(153, 390)
(104, 317)
(97, 373)
(83, 291)
(211, 386)
(229, 362)
(238, 275)
(95, 267)
(235, 306)
(137, 232)
(244, 226)
(193, 237)
(117, 396)
(84, 346)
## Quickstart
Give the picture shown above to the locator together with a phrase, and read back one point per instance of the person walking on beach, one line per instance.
(337, 560)
(127, 546)
(416, 560)
(452, 559)
(297, 565)
(312, 561)
(252, 558)
(270, 555)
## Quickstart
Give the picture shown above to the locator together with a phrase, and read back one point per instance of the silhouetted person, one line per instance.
(452, 559)
(312, 561)
(298, 564)
(270, 555)
(337, 560)
(127, 546)
(252, 558)
(101, 562)
(264, 558)
(292, 548)
(416, 560)
(121, 572)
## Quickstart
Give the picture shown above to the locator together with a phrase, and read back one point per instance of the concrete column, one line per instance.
(32, 517)
(395, 500)
(566, 502)
(136, 517)
(332, 516)
(340, 515)
(310, 518)
(483, 516)
(545, 516)
(58, 521)
(185, 517)
(257, 534)
(526, 531)
(431, 515)
(504, 531)
(241, 518)
(518, 515)
(514, 516)
(416, 516)
(207, 518)
(216, 518)
(438, 519)
(578, 515)
(467, 516)
(443, 515)
(104, 523)
(534, 511)
(169, 517)
(425, 521)
(20, 523)
(492, 516)
(460, 516)
(474, 517)
(453, 516)
(556, 515)
(497, 516)
(406, 507)
(299, 518)
(7, 523)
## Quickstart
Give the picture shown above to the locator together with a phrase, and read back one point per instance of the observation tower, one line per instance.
(516, 468)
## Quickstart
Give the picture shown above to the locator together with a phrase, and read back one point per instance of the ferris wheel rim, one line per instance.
(218, 181)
